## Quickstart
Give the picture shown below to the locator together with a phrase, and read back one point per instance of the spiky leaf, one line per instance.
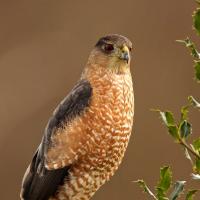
(196, 144)
(184, 113)
(185, 129)
(164, 182)
(190, 45)
(168, 119)
(197, 70)
(190, 194)
(178, 188)
(145, 188)
(187, 155)
(173, 131)
(196, 21)
(194, 102)
(197, 166)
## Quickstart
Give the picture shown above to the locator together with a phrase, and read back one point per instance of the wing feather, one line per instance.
(38, 182)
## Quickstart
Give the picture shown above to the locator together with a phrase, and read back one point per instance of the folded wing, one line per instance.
(40, 183)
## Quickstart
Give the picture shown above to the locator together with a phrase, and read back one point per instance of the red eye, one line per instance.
(108, 47)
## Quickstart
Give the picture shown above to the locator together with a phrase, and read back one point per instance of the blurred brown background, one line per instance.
(43, 48)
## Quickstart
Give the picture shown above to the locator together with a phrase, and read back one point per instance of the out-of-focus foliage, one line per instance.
(180, 130)
(195, 54)
(190, 194)
(194, 102)
(164, 183)
(191, 46)
(196, 20)
(164, 189)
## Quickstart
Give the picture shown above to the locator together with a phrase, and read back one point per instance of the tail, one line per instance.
(37, 186)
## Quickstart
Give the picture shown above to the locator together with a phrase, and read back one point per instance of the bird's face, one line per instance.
(113, 52)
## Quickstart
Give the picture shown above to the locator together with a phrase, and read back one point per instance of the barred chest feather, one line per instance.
(102, 135)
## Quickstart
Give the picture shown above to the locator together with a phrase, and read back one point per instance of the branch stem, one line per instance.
(184, 144)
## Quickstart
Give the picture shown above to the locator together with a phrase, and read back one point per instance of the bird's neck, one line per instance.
(101, 71)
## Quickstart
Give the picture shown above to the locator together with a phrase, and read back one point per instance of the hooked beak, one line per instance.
(125, 54)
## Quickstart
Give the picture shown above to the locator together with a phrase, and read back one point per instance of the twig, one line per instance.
(183, 143)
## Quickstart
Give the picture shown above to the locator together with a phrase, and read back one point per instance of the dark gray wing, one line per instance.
(41, 187)
(40, 183)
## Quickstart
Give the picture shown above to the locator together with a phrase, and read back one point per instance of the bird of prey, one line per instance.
(87, 135)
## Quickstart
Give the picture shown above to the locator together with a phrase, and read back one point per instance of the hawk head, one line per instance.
(112, 52)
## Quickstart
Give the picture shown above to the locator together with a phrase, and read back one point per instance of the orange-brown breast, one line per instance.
(95, 142)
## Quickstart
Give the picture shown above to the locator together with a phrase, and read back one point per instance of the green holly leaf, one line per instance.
(197, 166)
(196, 20)
(184, 113)
(173, 131)
(187, 155)
(190, 194)
(194, 102)
(185, 129)
(168, 119)
(196, 144)
(195, 54)
(145, 188)
(178, 189)
(190, 45)
(197, 70)
(164, 182)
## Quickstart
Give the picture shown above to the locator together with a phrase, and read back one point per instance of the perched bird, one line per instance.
(86, 137)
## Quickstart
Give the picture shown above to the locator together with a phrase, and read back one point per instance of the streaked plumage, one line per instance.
(86, 138)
